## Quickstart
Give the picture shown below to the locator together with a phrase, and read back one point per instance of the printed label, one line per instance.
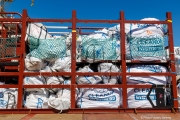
(1, 94)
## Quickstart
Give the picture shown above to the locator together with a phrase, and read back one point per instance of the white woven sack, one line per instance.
(162, 80)
(62, 65)
(109, 67)
(37, 100)
(52, 80)
(62, 99)
(99, 98)
(37, 30)
(31, 80)
(34, 64)
(8, 98)
(137, 98)
(87, 79)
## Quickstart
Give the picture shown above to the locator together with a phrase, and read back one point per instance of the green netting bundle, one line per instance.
(99, 49)
(47, 49)
(147, 47)
(8, 47)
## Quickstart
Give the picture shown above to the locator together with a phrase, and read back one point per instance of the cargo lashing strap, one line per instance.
(160, 97)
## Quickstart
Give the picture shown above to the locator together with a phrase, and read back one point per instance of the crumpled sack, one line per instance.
(36, 100)
(161, 80)
(34, 80)
(87, 79)
(109, 67)
(52, 80)
(62, 99)
(37, 30)
(34, 64)
(8, 98)
(62, 65)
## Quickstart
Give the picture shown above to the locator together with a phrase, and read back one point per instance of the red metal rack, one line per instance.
(19, 69)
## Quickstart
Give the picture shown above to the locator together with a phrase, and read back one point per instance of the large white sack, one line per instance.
(37, 30)
(52, 80)
(8, 98)
(137, 98)
(37, 100)
(62, 64)
(140, 30)
(87, 79)
(37, 80)
(32, 63)
(109, 67)
(147, 79)
(99, 98)
(62, 99)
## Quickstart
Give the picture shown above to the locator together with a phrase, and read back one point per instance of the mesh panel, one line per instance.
(99, 49)
(47, 49)
(8, 47)
(146, 47)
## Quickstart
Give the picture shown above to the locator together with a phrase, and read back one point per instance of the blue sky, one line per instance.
(102, 9)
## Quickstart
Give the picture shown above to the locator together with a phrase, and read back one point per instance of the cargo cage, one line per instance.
(12, 64)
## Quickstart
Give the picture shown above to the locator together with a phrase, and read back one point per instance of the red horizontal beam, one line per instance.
(98, 21)
(46, 86)
(10, 20)
(49, 20)
(9, 86)
(9, 73)
(82, 111)
(46, 73)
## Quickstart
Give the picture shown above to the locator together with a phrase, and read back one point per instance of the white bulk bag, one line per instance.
(162, 80)
(178, 94)
(62, 99)
(87, 79)
(62, 64)
(137, 98)
(109, 67)
(52, 80)
(37, 30)
(31, 80)
(32, 63)
(37, 100)
(140, 30)
(8, 98)
(99, 98)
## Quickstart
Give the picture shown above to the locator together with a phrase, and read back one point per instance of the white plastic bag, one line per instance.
(8, 98)
(62, 65)
(87, 79)
(34, 64)
(62, 99)
(52, 80)
(31, 80)
(109, 67)
(37, 30)
(162, 80)
(37, 100)
(99, 98)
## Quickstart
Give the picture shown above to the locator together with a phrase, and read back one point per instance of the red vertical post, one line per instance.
(172, 58)
(21, 68)
(123, 58)
(73, 60)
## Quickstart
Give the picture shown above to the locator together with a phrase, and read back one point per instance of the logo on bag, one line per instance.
(1, 94)
(102, 95)
(144, 97)
(149, 32)
(2, 103)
